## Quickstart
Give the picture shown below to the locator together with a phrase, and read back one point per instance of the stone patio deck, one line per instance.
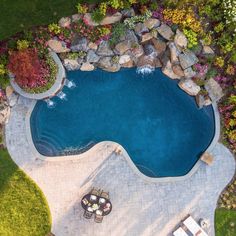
(139, 207)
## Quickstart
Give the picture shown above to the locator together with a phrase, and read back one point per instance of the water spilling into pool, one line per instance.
(158, 124)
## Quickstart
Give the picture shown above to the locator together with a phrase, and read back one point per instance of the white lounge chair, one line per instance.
(194, 227)
(180, 232)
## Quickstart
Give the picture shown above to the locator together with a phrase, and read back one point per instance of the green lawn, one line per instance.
(21, 14)
(225, 222)
(18, 15)
(23, 207)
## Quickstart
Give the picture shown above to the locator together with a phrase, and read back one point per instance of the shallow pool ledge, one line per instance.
(124, 153)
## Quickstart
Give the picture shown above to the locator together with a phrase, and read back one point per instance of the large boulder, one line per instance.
(104, 49)
(214, 90)
(131, 37)
(165, 31)
(202, 101)
(189, 73)
(57, 46)
(92, 57)
(180, 40)
(207, 50)
(93, 46)
(140, 29)
(64, 22)
(87, 67)
(174, 53)
(106, 64)
(128, 12)
(177, 69)
(149, 50)
(146, 37)
(146, 61)
(9, 91)
(189, 87)
(128, 64)
(122, 47)
(108, 20)
(187, 59)
(79, 44)
(124, 59)
(152, 23)
(137, 51)
(168, 71)
(159, 45)
(71, 64)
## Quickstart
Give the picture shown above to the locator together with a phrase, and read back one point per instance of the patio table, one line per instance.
(94, 205)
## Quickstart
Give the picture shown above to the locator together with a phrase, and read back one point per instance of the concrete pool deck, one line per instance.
(140, 207)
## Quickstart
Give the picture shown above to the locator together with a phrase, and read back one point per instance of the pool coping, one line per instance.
(58, 84)
(79, 157)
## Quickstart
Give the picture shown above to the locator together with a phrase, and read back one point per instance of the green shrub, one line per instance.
(130, 22)
(192, 38)
(118, 31)
(22, 44)
(211, 73)
(54, 28)
(4, 81)
(82, 8)
(73, 55)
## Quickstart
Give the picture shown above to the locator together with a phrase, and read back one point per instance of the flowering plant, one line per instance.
(82, 8)
(130, 22)
(22, 44)
(219, 61)
(201, 70)
(54, 28)
(28, 69)
(93, 33)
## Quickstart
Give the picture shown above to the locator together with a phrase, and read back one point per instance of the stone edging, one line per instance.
(124, 153)
(61, 74)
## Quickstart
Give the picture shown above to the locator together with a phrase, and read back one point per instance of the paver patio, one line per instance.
(139, 207)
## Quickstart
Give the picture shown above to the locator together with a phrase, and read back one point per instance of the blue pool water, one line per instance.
(157, 123)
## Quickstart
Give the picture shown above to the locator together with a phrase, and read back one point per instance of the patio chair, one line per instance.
(98, 218)
(105, 195)
(95, 191)
(87, 214)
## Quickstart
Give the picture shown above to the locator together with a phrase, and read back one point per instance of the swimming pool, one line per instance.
(158, 124)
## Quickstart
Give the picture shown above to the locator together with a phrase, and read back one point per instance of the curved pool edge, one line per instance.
(78, 157)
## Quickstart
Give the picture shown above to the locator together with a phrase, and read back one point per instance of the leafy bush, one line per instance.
(3, 70)
(27, 68)
(22, 44)
(97, 16)
(93, 34)
(4, 80)
(118, 31)
(50, 77)
(228, 111)
(130, 22)
(72, 55)
(192, 38)
(82, 8)
(54, 28)
(185, 18)
(219, 61)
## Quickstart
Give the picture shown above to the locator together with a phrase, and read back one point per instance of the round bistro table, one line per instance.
(91, 203)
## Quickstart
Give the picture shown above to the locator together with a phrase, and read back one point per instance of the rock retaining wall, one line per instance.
(150, 44)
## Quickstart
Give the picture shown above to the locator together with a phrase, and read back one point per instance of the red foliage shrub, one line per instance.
(27, 68)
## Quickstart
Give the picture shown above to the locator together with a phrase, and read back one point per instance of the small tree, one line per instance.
(27, 68)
